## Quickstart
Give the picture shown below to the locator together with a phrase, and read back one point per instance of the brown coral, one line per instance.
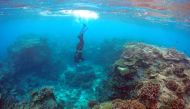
(173, 55)
(134, 104)
(172, 85)
(187, 89)
(179, 71)
(120, 104)
(179, 92)
(129, 104)
(164, 107)
(186, 81)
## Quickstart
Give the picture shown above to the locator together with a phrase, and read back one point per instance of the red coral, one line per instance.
(149, 94)
(178, 104)
(172, 85)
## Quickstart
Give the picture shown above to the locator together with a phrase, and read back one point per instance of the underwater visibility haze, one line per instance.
(94, 54)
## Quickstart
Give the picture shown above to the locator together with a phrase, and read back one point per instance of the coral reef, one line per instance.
(43, 99)
(120, 104)
(144, 77)
(157, 77)
(75, 86)
(30, 54)
(40, 99)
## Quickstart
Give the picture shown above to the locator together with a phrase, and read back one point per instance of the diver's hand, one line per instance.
(85, 28)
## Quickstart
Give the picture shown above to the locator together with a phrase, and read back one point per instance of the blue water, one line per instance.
(66, 29)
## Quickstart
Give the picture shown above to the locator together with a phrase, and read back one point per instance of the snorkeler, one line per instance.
(78, 54)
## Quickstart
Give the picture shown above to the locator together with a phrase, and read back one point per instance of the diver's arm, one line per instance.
(83, 30)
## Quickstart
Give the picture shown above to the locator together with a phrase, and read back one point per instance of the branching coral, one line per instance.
(177, 104)
(149, 94)
(150, 91)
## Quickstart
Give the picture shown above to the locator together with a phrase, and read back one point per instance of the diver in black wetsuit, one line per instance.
(78, 54)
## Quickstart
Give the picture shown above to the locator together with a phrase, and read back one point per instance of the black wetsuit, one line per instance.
(78, 54)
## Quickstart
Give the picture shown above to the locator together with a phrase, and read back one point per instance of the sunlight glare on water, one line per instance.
(79, 14)
(152, 10)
